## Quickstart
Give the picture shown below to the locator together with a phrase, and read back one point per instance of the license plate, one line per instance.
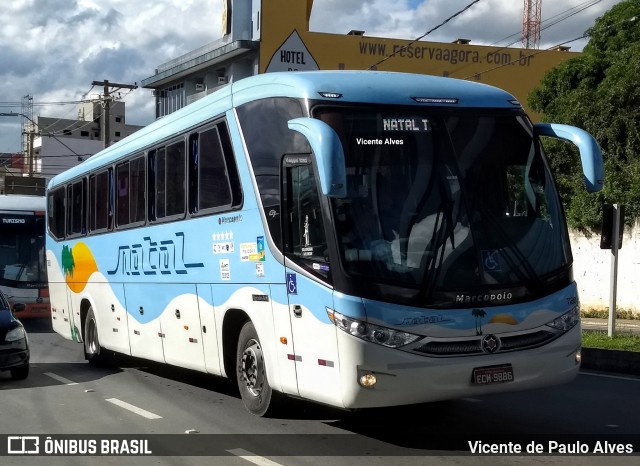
(492, 375)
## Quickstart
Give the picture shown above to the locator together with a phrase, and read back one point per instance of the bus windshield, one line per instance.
(22, 263)
(446, 201)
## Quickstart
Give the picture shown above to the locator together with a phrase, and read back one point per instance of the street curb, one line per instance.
(623, 362)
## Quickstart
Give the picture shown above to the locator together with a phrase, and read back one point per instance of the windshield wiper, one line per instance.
(442, 231)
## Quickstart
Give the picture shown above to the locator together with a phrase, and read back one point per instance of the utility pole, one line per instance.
(106, 135)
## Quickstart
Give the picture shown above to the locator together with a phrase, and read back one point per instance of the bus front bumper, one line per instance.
(407, 378)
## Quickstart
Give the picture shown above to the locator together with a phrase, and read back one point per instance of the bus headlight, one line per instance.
(567, 320)
(370, 332)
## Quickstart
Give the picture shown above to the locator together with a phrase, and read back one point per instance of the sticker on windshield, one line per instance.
(491, 260)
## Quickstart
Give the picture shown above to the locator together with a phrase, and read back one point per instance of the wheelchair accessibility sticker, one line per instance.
(491, 260)
(292, 284)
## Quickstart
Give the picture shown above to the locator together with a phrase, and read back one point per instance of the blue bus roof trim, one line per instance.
(377, 87)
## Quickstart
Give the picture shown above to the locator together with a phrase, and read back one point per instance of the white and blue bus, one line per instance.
(359, 239)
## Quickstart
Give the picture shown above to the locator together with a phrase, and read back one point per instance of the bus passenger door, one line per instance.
(308, 284)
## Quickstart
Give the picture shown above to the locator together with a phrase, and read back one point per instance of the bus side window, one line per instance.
(122, 194)
(213, 177)
(160, 191)
(167, 168)
(56, 212)
(99, 202)
(213, 180)
(151, 186)
(175, 179)
(76, 208)
(137, 190)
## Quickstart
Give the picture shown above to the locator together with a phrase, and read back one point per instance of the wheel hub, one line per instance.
(253, 367)
(92, 338)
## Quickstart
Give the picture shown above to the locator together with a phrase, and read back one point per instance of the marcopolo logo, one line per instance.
(484, 298)
(232, 219)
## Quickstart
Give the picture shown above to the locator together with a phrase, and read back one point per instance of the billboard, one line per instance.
(287, 45)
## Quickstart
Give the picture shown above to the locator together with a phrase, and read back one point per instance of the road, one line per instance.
(185, 412)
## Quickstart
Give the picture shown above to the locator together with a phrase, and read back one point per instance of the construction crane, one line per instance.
(531, 24)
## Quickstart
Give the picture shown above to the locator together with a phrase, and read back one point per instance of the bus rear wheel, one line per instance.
(92, 350)
(251, 374)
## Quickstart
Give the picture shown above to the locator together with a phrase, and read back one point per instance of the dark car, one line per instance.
(14, 345)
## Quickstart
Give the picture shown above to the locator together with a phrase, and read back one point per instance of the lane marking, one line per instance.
(133, 409)
(59, 378)
(250, 457)
(618, 377)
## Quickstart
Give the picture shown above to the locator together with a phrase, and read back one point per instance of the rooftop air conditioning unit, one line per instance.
(222, 80)
(199, 87)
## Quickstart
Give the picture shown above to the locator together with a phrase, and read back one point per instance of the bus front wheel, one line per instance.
(256, 393)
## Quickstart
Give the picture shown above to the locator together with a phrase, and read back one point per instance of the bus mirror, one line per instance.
(590, 154)
(327, 150)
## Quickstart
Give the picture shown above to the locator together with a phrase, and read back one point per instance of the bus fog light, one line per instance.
(578, 357)
(367, 380)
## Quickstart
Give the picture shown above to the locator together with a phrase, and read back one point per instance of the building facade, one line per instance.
(64, 143)
(200, 72)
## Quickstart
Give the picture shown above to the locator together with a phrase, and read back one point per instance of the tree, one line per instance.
(598, 91)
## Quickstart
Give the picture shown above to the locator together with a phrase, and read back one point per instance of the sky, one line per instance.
(53, 50)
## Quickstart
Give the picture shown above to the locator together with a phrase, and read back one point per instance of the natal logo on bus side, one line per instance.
(150, 257)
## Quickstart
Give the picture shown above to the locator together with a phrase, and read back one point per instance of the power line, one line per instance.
(568, 13)
(545, 24)
(523, 57)
(587, 4)
(107, 99)
(41, 104)
(583, 36)
(402, 49)
(61, 118)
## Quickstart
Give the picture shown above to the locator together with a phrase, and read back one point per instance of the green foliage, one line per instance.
(600, 92)
(603, 313)
(619, 341)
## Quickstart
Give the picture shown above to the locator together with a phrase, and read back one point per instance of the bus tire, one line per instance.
(92, 350)
(251, 374)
